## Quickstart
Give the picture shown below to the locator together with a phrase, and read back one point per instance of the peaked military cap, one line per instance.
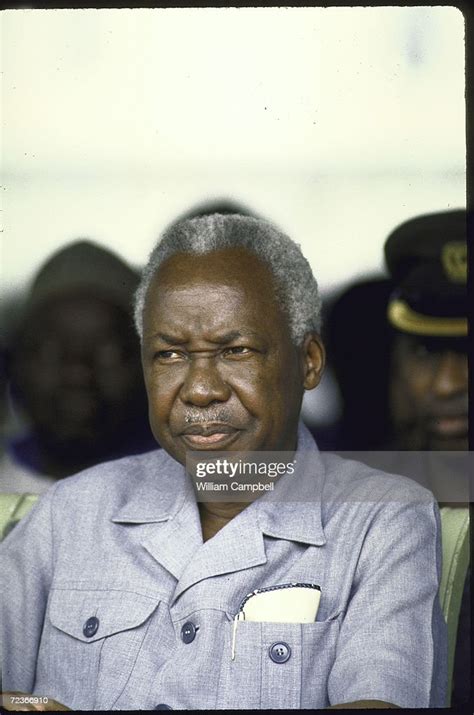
(427, 261)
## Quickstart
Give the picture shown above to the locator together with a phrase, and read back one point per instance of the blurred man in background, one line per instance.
(428, 386)
(412, 375)
(74, 367)
(428, 390)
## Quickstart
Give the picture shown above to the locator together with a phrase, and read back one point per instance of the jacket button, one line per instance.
(279, 652)
(188, 632)
(163, 706)
(91, 626)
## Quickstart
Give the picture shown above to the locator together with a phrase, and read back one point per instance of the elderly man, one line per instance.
(125, 591)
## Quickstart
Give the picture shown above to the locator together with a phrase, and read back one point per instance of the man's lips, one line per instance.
(203, 435)
(76, 405)
(449, 425)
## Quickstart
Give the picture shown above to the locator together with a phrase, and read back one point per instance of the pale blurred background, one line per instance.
(336, 123)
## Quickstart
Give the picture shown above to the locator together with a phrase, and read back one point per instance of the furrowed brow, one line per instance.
(223, 339)
(228, 337)
(166, 338)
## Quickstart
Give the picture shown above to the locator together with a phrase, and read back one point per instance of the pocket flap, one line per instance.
(105, 612)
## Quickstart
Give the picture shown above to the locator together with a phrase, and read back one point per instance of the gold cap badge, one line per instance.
(454, 260)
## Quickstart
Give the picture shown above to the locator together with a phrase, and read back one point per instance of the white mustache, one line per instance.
(214, 414)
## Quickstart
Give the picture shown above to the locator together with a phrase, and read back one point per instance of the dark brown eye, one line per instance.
(168, 355)
(237, 350)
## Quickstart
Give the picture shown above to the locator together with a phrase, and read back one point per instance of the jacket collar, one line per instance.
(156, 491)
(292, 511)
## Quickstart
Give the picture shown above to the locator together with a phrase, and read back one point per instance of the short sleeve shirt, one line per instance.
(111, 600)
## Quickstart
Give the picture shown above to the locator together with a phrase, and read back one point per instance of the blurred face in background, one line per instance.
(428, 393)
(76, 370)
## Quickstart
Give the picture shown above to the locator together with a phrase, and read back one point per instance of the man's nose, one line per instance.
(203, 383)
(77, 371)
(451, 375)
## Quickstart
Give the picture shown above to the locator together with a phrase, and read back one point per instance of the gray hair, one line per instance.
(295, 284)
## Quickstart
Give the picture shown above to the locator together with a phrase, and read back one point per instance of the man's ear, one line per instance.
(314, 359)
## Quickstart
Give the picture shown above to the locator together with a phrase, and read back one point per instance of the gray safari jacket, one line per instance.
(111, 600)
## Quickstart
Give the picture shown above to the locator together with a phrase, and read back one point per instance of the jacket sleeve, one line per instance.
(26, 567)
(392, 642)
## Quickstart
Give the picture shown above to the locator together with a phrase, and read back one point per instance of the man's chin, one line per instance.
(424, 439)
(437, 443)
(449, 433)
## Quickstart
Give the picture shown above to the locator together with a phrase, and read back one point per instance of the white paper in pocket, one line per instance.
(283, 603)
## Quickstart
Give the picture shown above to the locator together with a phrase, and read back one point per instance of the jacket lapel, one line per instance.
(167, 500)
(237, 546)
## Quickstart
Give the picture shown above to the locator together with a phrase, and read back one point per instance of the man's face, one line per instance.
(429, 393)
(77, 369)
(220, 368)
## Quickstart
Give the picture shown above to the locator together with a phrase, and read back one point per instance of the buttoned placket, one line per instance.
(176, 544)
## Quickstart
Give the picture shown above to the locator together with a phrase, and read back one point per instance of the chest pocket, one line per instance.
(278, 665)
(92, 641)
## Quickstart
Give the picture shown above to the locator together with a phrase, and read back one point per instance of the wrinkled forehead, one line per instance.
(234, 284)
(233, 268)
